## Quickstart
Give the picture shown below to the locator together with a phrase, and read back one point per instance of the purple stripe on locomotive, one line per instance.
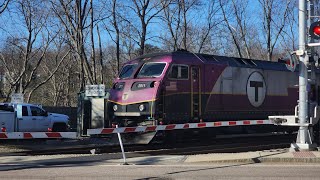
(181, 87)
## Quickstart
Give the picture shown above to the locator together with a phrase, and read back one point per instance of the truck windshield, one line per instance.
(127, 71)
(151, 70)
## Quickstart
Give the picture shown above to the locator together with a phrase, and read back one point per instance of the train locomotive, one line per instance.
(183, 87)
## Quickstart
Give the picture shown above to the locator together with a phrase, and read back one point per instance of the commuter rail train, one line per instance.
(183, 87)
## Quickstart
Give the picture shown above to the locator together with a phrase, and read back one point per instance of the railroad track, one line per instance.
(227, 144)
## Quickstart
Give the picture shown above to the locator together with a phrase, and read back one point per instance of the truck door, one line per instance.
(195, 93)
(25, 122)
(41, 123)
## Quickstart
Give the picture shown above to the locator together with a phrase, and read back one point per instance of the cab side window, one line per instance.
(6, 108)
(36, 111)
(24, 111)
(179, 72)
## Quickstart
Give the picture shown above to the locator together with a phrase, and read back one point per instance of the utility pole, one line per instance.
(305, 136)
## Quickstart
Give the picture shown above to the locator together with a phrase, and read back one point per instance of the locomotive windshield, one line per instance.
(151, 70)
(127, 71)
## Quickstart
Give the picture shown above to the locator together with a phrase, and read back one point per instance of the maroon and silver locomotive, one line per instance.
(182, 87)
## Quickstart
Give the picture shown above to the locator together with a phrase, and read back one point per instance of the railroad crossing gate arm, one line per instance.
(178, 126)
(293, 120)
(37, 135)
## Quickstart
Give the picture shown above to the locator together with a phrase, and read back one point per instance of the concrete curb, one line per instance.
(272, 156)
(286, 160)
(264, 160)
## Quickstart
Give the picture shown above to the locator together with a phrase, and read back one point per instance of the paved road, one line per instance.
(102, 170)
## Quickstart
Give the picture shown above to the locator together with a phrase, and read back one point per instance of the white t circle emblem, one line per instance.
(256, 89)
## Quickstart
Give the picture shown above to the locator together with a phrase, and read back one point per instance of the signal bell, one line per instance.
(314, 30)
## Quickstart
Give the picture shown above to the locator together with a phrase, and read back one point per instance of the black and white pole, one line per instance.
(122, 149)
(304, 137)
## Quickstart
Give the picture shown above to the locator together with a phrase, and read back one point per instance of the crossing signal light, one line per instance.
(314, 30)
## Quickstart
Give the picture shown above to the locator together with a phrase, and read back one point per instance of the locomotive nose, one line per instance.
(135, 99)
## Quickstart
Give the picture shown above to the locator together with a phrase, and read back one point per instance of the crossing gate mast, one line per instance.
(307, 112)
(304, 141)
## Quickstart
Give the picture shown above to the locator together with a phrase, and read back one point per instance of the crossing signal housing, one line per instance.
(314, 30)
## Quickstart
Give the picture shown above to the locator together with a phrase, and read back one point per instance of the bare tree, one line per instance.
(127, 40)
(275, 16)
(93, 51)
(146, 10)
(235, 16)
(114, 23)
(59, 46)
(172, 17)
(100, 57)
(179, 21)
(58, 57)
(211, 23)
(239, 7)
(73, 15)
(116, 27)
(289, 35)
(186, 6)
(3, 5)
(34, 19)
(231, 29)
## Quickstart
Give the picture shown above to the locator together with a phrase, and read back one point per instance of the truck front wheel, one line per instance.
(59, 127)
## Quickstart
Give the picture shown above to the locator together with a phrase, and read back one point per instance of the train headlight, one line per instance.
(141, 107)
(115, 107)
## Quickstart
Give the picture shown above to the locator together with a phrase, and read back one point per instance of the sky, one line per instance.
(12, 24)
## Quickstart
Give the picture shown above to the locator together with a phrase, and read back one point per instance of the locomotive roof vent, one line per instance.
(240, 61)
(249, 61)
(245, 62)
(209, 57)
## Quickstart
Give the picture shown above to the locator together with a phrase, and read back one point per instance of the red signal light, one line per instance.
(314, 30)
(4, 129)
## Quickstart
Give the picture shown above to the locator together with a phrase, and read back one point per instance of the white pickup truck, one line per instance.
(30, 118)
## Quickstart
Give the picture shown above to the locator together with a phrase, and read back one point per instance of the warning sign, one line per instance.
(95, 90)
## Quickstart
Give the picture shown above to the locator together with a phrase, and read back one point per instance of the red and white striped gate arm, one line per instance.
(37, 135)
(177, 126)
